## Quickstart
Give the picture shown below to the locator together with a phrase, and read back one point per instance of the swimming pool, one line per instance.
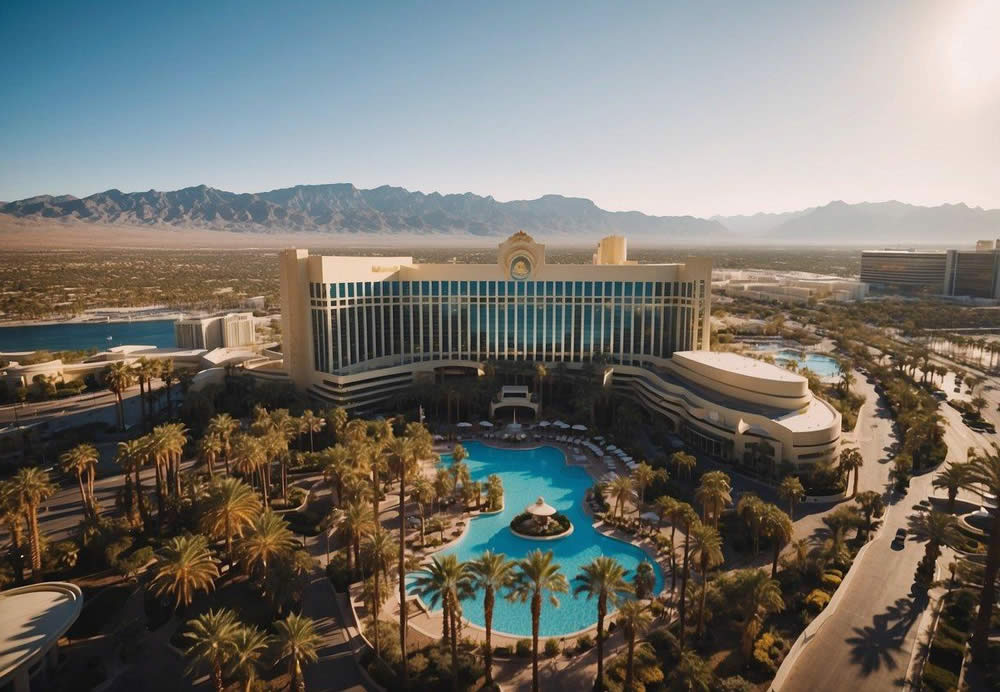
(526, 475)
(822, 365)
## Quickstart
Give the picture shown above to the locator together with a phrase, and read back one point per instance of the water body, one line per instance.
(71, 337)
(526, 475)
(822, 365)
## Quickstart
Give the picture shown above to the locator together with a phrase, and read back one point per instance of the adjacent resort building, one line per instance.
(963, 273)
(358, 330)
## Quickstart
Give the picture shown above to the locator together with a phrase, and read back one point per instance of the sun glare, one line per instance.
(975, 48)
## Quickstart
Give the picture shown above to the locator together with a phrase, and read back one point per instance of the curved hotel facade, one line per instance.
(359, 329)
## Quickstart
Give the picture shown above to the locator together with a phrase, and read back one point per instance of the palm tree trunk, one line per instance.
(981, 631)
(454, 645)
(376, 605)
(160, 509)
(673, 560)
(83, 495)
(630, 662)
(488, 602)
(140, 503)
(121, 412)
(682, 612)
(536, 616)
(402, 570)
(701, 604)
(774, 562)
(34, 540)
(217, 678)
(602, 609)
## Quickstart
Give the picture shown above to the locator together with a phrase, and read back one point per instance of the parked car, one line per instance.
(900, 539)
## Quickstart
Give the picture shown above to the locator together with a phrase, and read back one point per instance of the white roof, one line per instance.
(34, 617)
(735, 363)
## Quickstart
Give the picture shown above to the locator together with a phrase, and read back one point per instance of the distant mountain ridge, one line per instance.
(344, 208)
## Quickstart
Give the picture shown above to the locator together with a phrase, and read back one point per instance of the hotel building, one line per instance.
(968, 273)
(357, 330)
(218, 331)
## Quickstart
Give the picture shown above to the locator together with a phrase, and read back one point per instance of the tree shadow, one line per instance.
(878, 645)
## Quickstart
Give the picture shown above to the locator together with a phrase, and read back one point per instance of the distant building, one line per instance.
(967, 273)
(218, 331)
(786, 287)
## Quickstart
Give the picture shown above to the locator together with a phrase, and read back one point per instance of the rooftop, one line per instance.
(34, 618)
(743, 365)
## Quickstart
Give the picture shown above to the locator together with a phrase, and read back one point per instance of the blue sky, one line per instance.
(665, 107)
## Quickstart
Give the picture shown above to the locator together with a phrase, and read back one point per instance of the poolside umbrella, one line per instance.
(579, 427)
(463, 424)
(544, 424)
(651, 517)
(540, 508)
(485, 424)
(438, 438)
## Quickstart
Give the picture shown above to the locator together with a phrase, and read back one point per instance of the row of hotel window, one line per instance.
(492, 289)
(350, 335)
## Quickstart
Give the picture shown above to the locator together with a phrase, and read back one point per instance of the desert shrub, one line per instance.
(938, 679)
(734, 683)
(523, 648)
(830, 582)
(551, 647)
(768, 651)
(129, 565)
(947, 653)
(584, 642)
(817, 600)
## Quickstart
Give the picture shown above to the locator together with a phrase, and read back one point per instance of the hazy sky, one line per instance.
(666, 107)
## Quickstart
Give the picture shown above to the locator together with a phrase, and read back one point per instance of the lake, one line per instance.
(72, 337)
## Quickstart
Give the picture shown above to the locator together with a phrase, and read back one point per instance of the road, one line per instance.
(85, 408)
(867, 642)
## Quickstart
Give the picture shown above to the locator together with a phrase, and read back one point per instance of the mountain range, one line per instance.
(344, 208)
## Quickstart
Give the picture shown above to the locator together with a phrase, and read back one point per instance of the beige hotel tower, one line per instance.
(359, 329)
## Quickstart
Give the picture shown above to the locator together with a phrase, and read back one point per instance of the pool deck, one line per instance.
(426, 626)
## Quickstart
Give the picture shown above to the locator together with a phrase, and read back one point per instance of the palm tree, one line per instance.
(621, 489)
(644, 580)
(12, 514)
(984, 478)
(777, 526)
(223, 426)
(422, 494)
(297, 641)
(713, 493)
(634, 619)
(937, 528)
(536, 577)
(751, 510)
(443, 486)
(683, 461)
(230, 508)
(491, 573)
(268, 537)
(337, 467)
(791, 490)
(851, 460)
(687, 518)
(183, 567)
(249, 459)
(952, 478)
(355, 522)
(336, 420)
(871, 505)
(604, 578)
(311, 423)
(209, 449)
(118, 377)
(762, 597)
(169, 376)
(448, 582)
(644, 476)
(706, 551)
(250, 647)
(213, 637)
(541, 375)
(402, 448)
(32, 486)
(82, 461)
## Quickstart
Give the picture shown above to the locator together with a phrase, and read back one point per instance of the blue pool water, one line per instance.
(822, 365)
(69, 337)
(527, 474)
